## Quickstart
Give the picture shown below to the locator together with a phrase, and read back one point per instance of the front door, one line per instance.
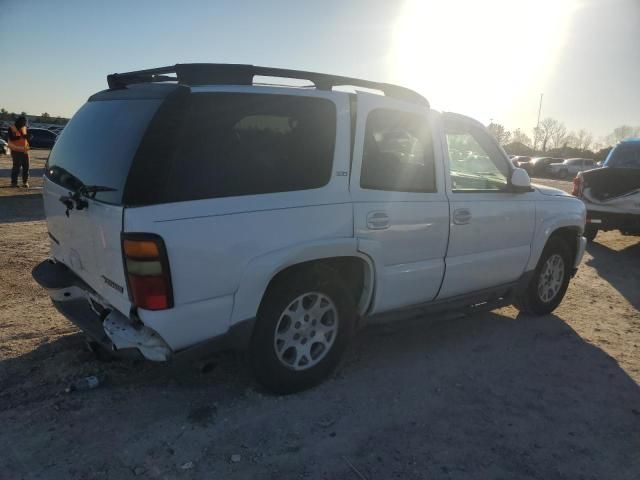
(401, 210)
(491, 226)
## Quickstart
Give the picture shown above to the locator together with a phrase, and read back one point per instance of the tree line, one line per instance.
(552, 138)
(42, 118)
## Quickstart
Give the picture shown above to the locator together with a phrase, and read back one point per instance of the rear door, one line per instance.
(401, 212)
(97, 148)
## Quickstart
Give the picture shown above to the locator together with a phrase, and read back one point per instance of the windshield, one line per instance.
(98, 145)
(624, 156)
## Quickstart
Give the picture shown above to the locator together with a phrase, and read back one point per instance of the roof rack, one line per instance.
(237, 74)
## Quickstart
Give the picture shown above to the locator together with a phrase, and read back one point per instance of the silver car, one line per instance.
(570, 167)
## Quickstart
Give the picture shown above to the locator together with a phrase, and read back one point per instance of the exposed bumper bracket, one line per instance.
(123, 334)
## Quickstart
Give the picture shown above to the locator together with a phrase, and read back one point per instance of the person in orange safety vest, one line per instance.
(19, 146)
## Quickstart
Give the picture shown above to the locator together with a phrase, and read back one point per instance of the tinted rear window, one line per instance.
(233, 144)
(624, 156)
(98, 145)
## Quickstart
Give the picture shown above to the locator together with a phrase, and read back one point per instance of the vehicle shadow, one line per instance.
(612, 266)
(484, 396)
(21, 208)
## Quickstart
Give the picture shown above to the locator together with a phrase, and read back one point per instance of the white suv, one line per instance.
(203, 209)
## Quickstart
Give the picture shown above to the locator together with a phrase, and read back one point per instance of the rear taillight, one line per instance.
(147, 268)
(577, 186)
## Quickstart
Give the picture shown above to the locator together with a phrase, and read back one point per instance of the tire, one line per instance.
(590, 233)
(535, 299)
(563, 174)
(291, 313)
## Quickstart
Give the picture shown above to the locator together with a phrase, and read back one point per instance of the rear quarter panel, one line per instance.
(211, 247)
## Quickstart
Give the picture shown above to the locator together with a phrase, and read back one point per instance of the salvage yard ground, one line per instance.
(492, 395)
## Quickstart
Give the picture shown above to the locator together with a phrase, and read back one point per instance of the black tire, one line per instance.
(529, 300)
(268, 368)
(563, 174)
(590, 233)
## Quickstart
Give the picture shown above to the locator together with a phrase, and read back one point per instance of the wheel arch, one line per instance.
(566, 228)
(340, 254)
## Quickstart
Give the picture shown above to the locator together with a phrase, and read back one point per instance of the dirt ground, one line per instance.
(494, 395)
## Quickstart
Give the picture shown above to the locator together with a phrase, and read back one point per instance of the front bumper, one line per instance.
(77, 301)
(582, 245)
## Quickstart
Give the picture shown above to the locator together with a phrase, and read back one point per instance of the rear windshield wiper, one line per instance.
(75, 200)
(91, 190)
(79, 189)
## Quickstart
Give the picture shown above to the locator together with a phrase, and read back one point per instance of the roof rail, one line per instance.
(237, 74)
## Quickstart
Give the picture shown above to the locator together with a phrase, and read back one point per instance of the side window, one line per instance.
(476, 163)
(398, 153)
(233, 144)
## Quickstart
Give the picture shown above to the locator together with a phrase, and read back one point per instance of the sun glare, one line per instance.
(480, 58)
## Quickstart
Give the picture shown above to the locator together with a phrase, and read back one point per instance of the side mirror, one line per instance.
(520, 181)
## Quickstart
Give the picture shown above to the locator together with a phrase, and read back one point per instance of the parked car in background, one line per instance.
(41, 138)
(570, 167)
(306, 211)
(612, 193)
(537, 166)
(519, 161)
(4, 147)
(56, 129)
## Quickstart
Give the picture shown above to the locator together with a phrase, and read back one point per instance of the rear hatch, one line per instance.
(97, 148)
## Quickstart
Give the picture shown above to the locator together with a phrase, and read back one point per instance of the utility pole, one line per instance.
(535, 133)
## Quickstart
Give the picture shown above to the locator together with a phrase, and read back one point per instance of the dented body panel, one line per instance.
(612, 198)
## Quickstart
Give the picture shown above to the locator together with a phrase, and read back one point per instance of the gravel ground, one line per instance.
(494, 395)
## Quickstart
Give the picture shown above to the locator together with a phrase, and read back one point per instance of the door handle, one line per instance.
(461, 216)
(377, 220)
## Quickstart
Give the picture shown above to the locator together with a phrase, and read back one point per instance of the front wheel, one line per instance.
(550, 280)
(563, 174)
(302, 329)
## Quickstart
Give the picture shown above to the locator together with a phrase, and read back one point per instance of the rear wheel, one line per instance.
(302, 329)
(590, 232)
(550, 280)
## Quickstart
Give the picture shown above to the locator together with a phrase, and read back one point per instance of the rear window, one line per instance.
(231, 144)
(624, 156)
(98, 145)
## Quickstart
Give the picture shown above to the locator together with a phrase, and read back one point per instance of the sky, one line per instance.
(489, 59)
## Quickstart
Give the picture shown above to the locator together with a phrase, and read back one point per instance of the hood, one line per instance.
(550, 191)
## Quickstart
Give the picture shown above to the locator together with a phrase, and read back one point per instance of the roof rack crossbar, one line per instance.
(237, 74)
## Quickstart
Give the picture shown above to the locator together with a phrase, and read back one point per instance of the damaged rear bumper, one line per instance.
(77, 301)
(625, 222)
